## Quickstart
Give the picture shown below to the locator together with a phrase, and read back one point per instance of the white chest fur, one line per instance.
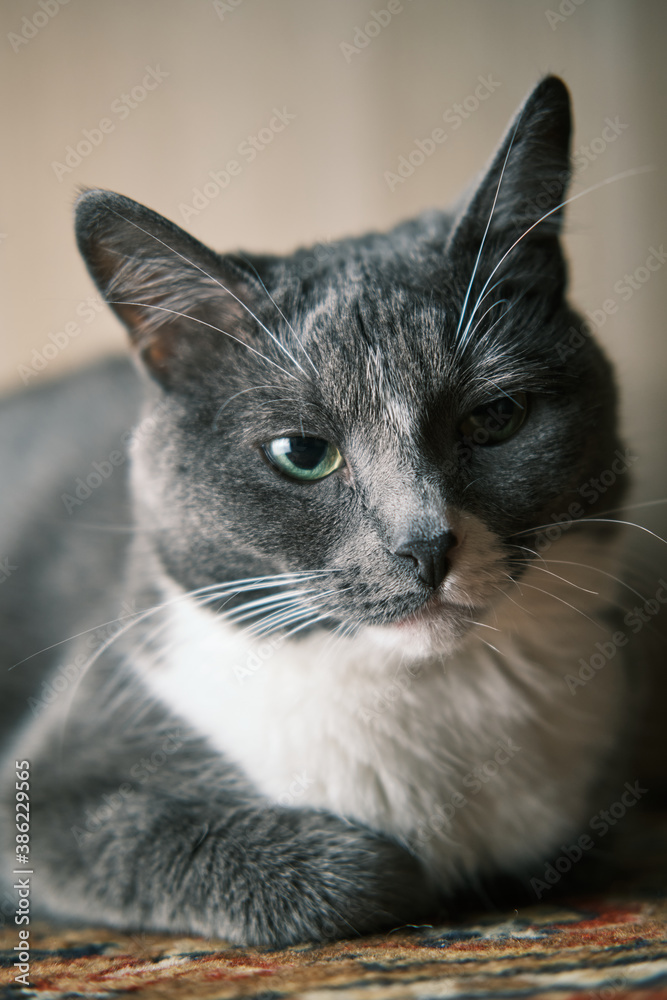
(480, 759)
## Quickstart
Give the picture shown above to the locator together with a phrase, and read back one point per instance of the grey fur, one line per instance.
(195, 847)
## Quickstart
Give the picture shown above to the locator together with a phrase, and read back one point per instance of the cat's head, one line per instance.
(387, 413)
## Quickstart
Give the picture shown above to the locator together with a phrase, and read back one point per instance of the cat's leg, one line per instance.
(145, 826)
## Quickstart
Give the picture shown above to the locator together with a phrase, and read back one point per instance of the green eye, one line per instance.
(496, 421)
(303, 458)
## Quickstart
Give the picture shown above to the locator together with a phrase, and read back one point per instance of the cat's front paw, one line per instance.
(296, 875)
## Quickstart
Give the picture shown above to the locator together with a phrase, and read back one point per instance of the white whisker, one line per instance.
(252, 608)
(275, 622)
(284, 615)
(617, 177)
(482, 379)
(195, 319)
(240, 393)
(236, 586)
(481, 624)
(589, 520)
(293, 331)
(596, 569)
(217, 282)
(307, 624)
(488, 225)
(542, 569)
(562, 601)
(483, 317)
(515, 603)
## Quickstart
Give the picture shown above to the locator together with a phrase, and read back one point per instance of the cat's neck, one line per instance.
(372, 732)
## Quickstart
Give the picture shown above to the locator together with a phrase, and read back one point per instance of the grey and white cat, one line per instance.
(330, 688)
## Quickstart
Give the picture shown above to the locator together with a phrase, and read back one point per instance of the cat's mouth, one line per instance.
(438, 625)
(433, 611)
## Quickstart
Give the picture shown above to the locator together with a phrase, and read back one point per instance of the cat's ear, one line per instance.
(527, 181)
(172, 292)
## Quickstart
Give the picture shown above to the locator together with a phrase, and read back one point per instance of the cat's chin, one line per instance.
(435, 628)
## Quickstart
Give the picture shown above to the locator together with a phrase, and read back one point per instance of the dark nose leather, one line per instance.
(428, 556)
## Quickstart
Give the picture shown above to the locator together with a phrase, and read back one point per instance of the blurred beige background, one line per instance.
(218, 68)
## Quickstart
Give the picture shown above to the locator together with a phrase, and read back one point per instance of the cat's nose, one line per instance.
(429, 556)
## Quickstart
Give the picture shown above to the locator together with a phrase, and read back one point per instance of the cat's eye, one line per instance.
(496, 421)
(303, 458)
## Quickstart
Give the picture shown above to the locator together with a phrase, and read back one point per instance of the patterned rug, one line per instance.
(607, 946)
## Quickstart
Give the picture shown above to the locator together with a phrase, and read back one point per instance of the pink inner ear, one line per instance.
(178, 299)
(174, 311)
(158, 354)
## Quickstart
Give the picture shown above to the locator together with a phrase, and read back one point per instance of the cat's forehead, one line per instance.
(361, 309)
(380, 355)
(366, 315)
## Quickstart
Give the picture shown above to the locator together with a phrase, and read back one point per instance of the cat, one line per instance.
(327, 596)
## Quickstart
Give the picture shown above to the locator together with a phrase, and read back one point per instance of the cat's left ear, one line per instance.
(182, 303)
(526, 184)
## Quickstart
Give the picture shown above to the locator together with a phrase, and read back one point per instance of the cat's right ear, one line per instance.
(174, 294)
(522, 193)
